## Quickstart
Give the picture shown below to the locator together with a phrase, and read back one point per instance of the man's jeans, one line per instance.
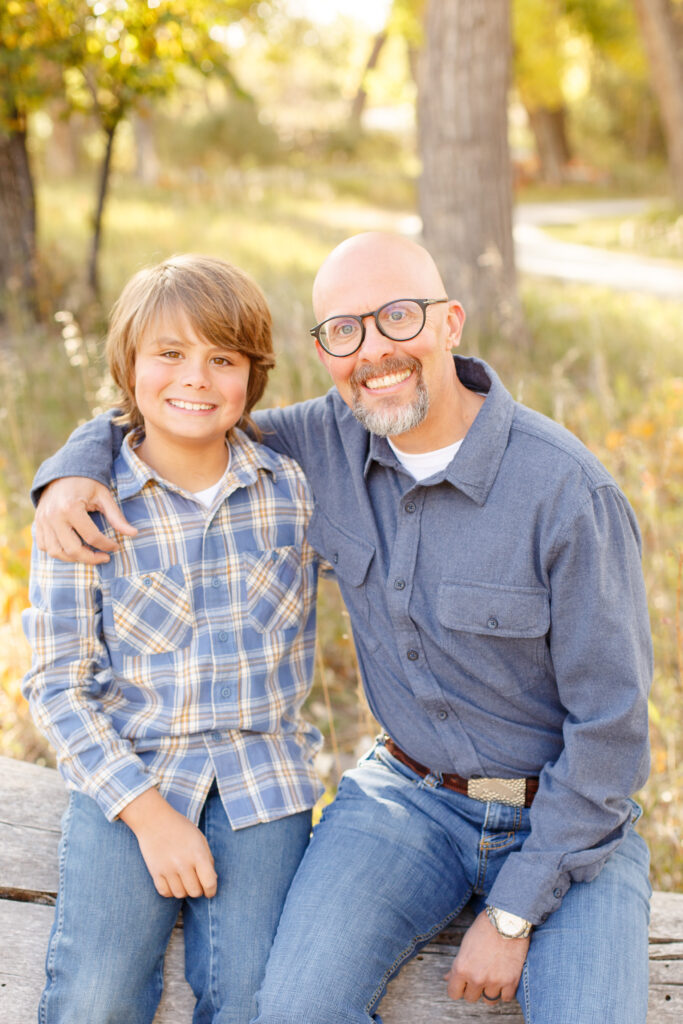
(106, 950)
(394, 860)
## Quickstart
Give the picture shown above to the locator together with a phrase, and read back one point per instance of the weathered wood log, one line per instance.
(32, 800)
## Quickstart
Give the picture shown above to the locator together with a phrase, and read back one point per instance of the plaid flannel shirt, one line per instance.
(188, 656)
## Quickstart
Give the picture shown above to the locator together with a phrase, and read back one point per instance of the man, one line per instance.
(491, 570)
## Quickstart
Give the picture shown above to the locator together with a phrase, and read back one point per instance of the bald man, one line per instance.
(491, 570)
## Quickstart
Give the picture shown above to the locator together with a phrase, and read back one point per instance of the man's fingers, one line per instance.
(509, 992)
(456, 984)
(113, 514)
(82, 525)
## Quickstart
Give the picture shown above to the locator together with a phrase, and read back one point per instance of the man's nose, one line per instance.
(376, 346)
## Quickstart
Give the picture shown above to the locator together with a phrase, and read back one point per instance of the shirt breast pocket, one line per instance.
(151, 613)
(350, 557)
(274, 589)
(497, 633)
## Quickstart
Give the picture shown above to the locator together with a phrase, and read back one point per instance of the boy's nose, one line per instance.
(195, 375)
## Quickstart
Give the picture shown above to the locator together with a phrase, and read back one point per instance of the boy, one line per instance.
(170, 679)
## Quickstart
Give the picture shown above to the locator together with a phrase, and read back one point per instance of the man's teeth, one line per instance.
(193, 406)
(388, 381)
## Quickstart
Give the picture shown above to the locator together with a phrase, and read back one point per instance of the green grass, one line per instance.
(605, 364)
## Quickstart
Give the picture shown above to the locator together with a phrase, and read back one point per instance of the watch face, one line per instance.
(510, 924)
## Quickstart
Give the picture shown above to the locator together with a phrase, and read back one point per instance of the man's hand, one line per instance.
(64, 528)
(486, 963)
(176, 853)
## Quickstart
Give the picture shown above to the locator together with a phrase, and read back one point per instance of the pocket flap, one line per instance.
(348, 554)
(492, 610)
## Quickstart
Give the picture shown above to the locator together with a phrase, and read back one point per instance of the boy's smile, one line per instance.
(189, 393)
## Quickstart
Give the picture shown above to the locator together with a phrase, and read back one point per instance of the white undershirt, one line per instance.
(207, 495)
(425, 464)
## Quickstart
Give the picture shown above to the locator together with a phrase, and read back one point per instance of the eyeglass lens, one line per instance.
(399, 321)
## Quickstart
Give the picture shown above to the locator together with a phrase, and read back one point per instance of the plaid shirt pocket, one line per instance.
(274, 583)
(151, 612)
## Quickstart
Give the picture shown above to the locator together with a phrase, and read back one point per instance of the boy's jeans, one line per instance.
(393, 861)
(111, 928)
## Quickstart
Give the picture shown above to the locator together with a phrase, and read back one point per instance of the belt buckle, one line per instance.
(500, 791)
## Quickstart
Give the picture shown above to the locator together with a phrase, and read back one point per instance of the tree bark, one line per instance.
(662, 33)
(550, 135)
(465, 189)
(93, 269)
(17, 221)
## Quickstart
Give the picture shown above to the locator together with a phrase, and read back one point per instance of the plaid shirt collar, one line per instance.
(247, 459)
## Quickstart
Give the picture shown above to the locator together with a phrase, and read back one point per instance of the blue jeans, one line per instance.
(106, 950)
(394, 860)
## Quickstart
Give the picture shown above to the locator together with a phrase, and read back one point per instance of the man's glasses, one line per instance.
(399, 320)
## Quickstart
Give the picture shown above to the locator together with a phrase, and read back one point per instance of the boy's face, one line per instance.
(187, 390)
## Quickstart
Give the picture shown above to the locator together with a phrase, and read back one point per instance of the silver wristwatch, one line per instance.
(510, 925)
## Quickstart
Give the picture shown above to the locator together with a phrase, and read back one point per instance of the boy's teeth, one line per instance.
(191, 405)
(386, 382)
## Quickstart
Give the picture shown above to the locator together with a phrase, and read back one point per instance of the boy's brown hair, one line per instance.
(223, 304)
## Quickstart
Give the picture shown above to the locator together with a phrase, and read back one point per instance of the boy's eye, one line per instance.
(171, 354)
(222, 361)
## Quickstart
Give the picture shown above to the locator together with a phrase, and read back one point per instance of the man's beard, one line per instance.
(388, 421)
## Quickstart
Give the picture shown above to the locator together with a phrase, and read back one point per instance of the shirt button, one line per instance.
(216, 581)
(223, 636)
(410, 506)
(492, 623)
(557, 893)
(147, 581)
(443, 715)
(413, 655)
(226, 691)
(335, 558)
(216, 737)
(399, 584)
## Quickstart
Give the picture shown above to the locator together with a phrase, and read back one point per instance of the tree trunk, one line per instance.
(93, 271)
(17, 221)
(549, 131)
(360, 99)
(465, 188)
(662, 34)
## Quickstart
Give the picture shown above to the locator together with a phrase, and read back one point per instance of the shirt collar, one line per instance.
(247, 459)
(476, 464)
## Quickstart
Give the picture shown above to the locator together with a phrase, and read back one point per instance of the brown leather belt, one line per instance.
(513, 792)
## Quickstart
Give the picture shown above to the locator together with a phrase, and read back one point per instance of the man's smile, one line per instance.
(388, 380)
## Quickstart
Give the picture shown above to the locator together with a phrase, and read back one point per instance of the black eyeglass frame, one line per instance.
(374, 313)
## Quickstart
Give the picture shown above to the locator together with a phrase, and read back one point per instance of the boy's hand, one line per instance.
(64, 528)
(486, 963)
(176, 853)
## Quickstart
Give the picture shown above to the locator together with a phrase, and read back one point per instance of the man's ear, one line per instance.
(456, 321)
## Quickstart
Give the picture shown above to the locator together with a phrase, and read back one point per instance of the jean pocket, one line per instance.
(274, 589)
(151, 612)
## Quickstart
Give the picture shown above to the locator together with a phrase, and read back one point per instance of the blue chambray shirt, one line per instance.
(498, 610)
(186, 658)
